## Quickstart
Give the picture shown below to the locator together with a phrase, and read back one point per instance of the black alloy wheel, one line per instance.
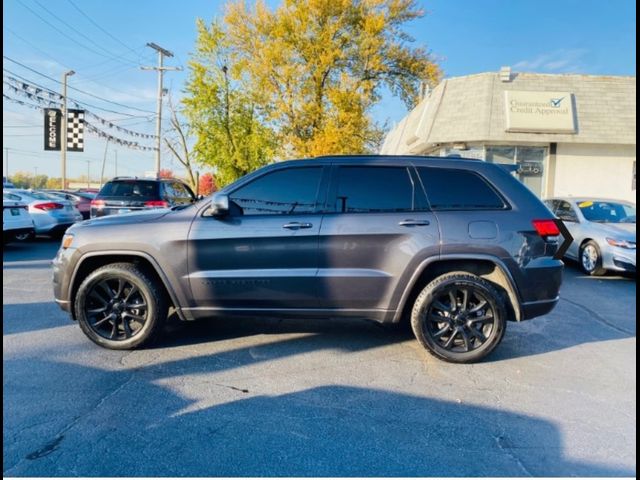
(121, 306)
(459, 317)
(116, 309)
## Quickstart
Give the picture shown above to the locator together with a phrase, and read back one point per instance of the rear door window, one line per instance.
(374, 190)
(452, 189)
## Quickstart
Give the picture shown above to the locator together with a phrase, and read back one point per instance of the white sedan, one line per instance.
(16, 221)
(51, 215)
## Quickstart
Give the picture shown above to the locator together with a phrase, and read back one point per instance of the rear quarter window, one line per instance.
(129, 189)
(451, 189)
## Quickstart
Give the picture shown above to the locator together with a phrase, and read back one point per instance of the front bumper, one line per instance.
(619, 259)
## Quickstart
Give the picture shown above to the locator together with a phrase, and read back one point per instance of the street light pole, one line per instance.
(160, 69)
(63, 133)
(6, 162)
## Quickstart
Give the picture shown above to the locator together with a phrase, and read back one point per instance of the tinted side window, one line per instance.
(293, 190)
(374, 189)
(449, 189)
(181, 191)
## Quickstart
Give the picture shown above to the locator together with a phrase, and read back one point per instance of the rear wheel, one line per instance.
(591, 259)
(120, 306)
(459, 317)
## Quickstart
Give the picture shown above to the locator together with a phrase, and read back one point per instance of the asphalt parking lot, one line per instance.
(317, 398)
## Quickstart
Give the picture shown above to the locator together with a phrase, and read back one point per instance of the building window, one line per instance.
(529, 159)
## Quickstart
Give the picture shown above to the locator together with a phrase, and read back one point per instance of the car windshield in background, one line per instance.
(608, 212)
(131, 188)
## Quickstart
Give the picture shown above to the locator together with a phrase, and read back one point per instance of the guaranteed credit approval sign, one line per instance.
(539, 112)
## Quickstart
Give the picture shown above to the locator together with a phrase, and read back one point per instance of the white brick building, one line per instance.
(570, 134)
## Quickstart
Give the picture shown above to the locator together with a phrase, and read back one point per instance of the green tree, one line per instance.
(310, 70)
(230, 133)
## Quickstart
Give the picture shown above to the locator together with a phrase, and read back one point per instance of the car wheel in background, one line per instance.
(459, 317)
(591, 259)
(120, 306)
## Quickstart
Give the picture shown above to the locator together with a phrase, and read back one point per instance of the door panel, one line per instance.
(265, 255)
(254, 262)
(376, 229)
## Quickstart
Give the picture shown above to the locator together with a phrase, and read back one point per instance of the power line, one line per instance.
(63, 33)
(76, 89)
(101, 29)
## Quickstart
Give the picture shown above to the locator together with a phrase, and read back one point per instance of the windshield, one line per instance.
(608, 212)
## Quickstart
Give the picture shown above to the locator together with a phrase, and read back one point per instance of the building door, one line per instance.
(531, 161)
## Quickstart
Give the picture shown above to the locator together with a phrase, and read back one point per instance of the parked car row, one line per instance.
(50, 212)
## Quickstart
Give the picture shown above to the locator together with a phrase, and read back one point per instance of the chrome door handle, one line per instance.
(413, 223)
(297, 225)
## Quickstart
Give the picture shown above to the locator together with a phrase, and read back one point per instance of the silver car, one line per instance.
(604, 232)
(51, 215)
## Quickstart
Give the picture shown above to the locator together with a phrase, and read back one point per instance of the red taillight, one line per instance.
(49, 206)
(156, 204)
(546, 228)
(97, 203)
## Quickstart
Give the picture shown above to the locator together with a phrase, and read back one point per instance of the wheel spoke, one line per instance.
(127, 328)
(105, 319)
(136, 305)
(465, 299)
(114, 329)
(442, 331)
(466, 340)
(483, 319)
(139, 318)
(97, 310)
(120, 288)
(439, 318)
(133, 290)
(454, 302)
(449, 342)
(478, 334)
(478, 306)
(95, 295)
(441, 306)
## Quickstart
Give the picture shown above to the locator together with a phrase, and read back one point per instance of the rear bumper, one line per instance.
(538, 308)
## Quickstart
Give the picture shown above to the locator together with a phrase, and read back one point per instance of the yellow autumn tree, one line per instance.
(314, 69)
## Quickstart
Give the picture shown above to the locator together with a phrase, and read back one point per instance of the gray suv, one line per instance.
(457, 247)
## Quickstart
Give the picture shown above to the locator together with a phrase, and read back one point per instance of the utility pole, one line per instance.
(6, 162)
(88, 173)
(104, 161)
(63, 132)
(160, 69)
(116, 152)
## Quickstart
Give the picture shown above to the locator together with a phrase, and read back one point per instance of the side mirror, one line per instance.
(220, 204)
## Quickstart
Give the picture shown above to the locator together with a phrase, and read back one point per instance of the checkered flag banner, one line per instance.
(75, 130)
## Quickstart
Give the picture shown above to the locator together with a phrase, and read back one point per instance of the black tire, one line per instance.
(120, 306)
(467, 331)
(593, 264)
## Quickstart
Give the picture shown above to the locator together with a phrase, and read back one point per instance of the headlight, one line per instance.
(621, 243)
(67, 240)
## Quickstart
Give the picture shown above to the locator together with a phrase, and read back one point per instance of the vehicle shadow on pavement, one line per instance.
(36, 249)
(330, 430)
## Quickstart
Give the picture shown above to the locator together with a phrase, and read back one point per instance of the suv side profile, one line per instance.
(457, 246)
(131, 194)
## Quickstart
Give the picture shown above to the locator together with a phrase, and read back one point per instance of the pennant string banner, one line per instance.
(33, 92)
(42, 103)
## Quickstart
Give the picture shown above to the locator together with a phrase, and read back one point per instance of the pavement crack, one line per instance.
(596, 316)
(243, 390)
(501, 442)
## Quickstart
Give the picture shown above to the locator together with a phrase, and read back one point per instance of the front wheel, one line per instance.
(591, 259)
(459, 317)
(120, 306)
